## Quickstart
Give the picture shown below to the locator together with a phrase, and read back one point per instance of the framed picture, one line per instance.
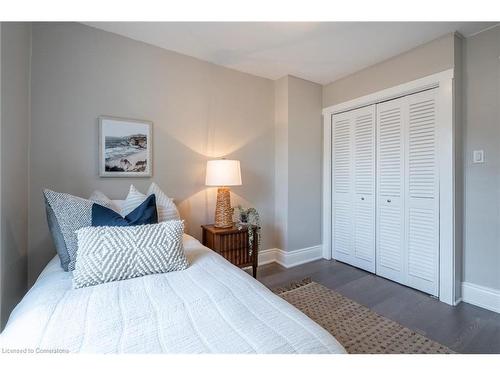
(125, 147)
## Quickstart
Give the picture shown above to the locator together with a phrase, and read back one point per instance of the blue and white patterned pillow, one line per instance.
(117, 253)
(66, 214)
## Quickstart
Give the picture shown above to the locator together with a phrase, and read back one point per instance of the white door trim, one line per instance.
(428, 82)
(444, 82)
(327, 187)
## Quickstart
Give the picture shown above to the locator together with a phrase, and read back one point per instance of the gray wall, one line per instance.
(430, 58)
(305, 155)
(482, 181)
(199, 110)
(281, 161)
(298, 129)
(14, 136)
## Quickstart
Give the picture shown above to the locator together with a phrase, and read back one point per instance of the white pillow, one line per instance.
(133, 200)
(118, 203)
(165, 205)
(99, 196)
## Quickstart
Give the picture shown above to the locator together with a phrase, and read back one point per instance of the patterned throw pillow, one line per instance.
(66, 214)
(117, 253)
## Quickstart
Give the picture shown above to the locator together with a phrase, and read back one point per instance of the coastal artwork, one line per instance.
(125, 147)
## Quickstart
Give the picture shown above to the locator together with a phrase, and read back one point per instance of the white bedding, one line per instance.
(212, 307)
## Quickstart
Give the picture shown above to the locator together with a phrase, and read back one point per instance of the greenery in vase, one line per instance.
(250, 218)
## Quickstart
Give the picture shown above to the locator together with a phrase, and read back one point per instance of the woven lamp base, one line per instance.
(223, 210)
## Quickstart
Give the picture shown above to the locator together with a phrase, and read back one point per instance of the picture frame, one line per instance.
(125, 147)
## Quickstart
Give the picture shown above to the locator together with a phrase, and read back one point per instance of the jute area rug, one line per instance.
(356, 327)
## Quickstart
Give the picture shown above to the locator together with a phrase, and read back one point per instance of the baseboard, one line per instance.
(291, 258)
(481, 296)
(267, 256)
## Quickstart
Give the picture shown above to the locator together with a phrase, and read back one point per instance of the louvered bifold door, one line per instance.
(354, 187)
(422, 204)
(342, 233)
(390, 190)
(364, 187)
(408, 191)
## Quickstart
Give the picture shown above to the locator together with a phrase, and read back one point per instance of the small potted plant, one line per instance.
(249, 217)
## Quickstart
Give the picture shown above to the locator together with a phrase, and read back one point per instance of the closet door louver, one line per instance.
(422, 203)
(342, 160)
(364, 188)
(342, 187)
(354, 187)
(390, 189)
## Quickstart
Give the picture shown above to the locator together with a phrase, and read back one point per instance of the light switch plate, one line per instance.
(478, 156)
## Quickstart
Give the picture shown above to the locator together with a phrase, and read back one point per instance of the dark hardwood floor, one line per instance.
(464, 328)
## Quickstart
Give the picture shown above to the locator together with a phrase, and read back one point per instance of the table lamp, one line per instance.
(223, 173)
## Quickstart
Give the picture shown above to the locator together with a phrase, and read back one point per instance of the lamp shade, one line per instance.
(223, 173)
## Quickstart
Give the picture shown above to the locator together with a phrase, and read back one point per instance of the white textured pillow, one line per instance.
(165, 205)
(118, 203)
(133, 200)
(117, 253)
(99, 196)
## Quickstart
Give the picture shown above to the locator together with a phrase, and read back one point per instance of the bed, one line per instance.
(212, 307)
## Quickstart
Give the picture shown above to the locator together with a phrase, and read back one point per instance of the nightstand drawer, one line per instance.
(234, 247)
(232, 244)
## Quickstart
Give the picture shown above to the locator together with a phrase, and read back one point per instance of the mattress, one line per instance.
(211, 307)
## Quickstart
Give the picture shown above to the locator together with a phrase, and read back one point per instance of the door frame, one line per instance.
(448, 136)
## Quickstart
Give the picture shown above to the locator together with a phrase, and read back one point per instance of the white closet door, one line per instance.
(408, 195)
(342, 187)
(390, 190)
(364, 187)
(422, 219)
(354, 187)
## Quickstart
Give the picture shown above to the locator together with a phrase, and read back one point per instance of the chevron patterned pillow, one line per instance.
(117, 253)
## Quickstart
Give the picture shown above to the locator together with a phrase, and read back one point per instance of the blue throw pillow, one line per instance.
(57, 236)
(145, 213)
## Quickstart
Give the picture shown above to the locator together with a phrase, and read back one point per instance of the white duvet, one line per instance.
(212, 307)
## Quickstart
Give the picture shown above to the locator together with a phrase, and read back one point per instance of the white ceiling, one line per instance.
(321, 52)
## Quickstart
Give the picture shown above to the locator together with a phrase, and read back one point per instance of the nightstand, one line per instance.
(233, 245)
